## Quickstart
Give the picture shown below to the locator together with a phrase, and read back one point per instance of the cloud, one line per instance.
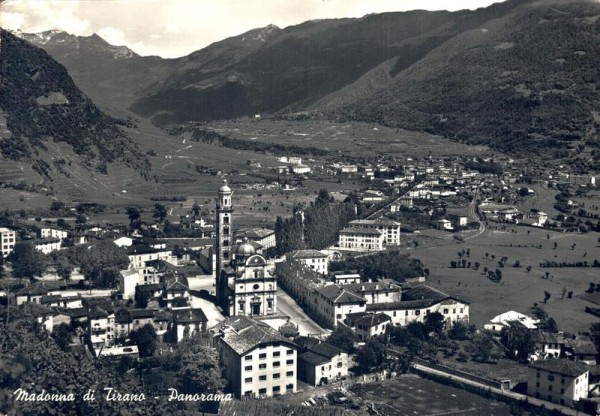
(113, 36)
(37, 16)
(11, 21)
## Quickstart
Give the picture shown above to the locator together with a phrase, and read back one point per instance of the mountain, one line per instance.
(292, 68)
(526, 81)
(43, 114)
(112, 76)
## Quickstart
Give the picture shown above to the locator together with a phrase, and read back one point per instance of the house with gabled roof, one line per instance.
(558, 381)
(322, 363)
(258, 360)
(187, 322)
(335, 302)
(419, 301)
(366, 325)
(313, 259)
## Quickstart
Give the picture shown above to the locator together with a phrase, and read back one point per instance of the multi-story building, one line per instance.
(8, 239)
(322, 363)
(361, 239)
(312, 259)
(140, 254)
(52, 233)
(47, 245)
(262, 236)
(367, 325)
(417, 302)
(558, 381)
(258, 361)
(377, 292)
(246, 283)
(335, 302)
(389, 229)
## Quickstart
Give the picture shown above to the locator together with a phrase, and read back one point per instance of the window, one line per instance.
(550, 377)
(276, 389)
(276, 364)
(262, 366)
(445, 311)
(339, 365)
(537, 374)
(289, 374)
(289, 362)
(276, 376)
(537, 384)
(562, 380)
(262, 378)
(248, 368)
(562, 391)
(262, 356)
(417, 312)
(290, 352)
(550, 388)
(255, 287)
(248, 358)
(262, 391)
(248, 380)
(276, 353)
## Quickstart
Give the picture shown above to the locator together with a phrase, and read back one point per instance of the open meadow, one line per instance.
(411, 395)
(355, 139)
(518, 289)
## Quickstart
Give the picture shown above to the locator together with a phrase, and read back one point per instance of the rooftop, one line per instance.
(305, 254)
(243, 334)
(339, 294)
(561, 366)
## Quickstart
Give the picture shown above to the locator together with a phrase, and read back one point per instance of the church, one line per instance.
(246, 284)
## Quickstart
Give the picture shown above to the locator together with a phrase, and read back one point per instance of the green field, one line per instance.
(518, 289)
(410, 395)
(351, 139)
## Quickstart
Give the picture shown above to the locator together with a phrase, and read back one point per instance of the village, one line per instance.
(345, 289)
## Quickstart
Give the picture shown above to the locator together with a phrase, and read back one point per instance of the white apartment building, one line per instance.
(389, 229)
(313, 259)
(418, 302)
(259, 362)
(558, 381)
(8, 239)
(361, 239)
(53, 233)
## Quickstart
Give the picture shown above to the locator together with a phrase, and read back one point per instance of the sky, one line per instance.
(173, 28)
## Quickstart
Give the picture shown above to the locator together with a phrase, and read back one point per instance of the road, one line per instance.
(287, 306)
(473, 213)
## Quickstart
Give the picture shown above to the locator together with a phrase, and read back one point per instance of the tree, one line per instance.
(145, 338)
(160, 212)
(459, 331)
(595, 334)
(549, 325)
(62, 335)
(27, 261)
(519, 341)
(371, 355)
(481, 347)
(343, 337)
(547, 296)
(133, 214)
(100, 263)
(200, 371)
(434, 322)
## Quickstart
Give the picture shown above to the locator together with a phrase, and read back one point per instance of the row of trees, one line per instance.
(316, 226)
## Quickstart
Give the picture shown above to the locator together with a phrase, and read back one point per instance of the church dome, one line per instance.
(245, 249)
(224, 189)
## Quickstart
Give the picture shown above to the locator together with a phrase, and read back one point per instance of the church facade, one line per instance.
(246, 283)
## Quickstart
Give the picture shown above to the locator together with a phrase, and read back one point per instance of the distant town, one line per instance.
(348, 291)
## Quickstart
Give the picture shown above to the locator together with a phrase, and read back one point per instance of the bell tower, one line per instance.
(224, 227)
